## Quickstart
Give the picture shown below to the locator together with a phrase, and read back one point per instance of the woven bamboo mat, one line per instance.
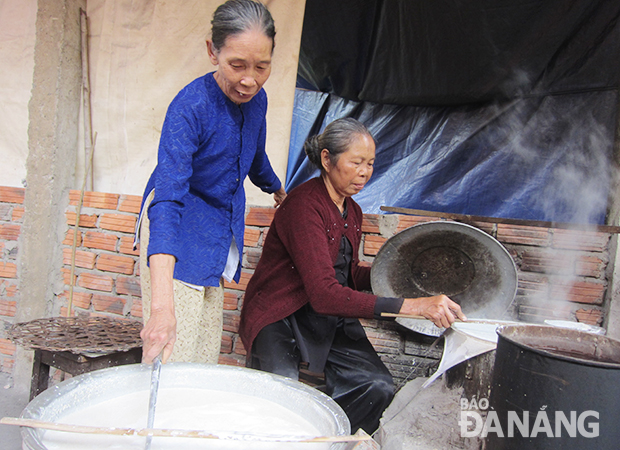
(78, 334)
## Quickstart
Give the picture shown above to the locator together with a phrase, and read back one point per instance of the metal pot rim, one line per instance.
(506, 332)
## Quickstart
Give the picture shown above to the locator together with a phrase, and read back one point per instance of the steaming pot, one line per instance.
(568, 383)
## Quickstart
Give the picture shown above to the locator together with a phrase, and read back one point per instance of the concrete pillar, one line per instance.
(52, 150)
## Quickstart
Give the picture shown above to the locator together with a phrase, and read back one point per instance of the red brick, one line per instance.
(96, 282)
(372, 244)
(18, 214)
(231, 301)
(101, 241)
(260, 217)
(529, 313)
(370, 223)
(239, 349)
(115, 263)
(251, 237)
(86, 220)
(542, 261)
(580, 240)
(74, 313)
(405, 222)
(130, 203)
(488, 228)
(243, 282)
(66, 276)
(12, 194)
(513, 234)
(9, 231)
(532, 285)
(227, 344)
(7, 347)
(589, 316)
(127, 246)
(231, 361)
(590, 266)
(80, 299)
(252, 255)
(118, 222)
(82, 258)
(136, 307)
(10, 289)
(128, 286)
(231, 321)
(578, 292)
(8, 270)
(69, 238)
(8, 308)
(98, 200)
(109, 303)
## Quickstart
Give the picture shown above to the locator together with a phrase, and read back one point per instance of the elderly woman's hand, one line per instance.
(439, 309)
(279, 196)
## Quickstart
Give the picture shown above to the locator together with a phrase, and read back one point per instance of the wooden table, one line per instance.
(75, 364)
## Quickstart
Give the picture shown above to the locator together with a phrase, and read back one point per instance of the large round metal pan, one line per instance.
(451, 258)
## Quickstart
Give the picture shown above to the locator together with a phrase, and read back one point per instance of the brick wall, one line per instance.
(11, 213)
(562, 274)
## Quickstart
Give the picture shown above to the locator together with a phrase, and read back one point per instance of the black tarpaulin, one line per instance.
(496, 108)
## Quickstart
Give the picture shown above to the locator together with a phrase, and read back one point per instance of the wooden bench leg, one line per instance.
(40, 375)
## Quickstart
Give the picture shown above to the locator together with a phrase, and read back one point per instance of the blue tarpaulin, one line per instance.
(502, 109)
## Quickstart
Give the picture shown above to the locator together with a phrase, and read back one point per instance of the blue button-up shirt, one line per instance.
(208, 146)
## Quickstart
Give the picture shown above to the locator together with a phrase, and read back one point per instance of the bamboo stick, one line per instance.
(410, 316)
(155, 432)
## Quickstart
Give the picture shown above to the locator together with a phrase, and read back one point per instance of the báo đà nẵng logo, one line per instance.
(527, 424)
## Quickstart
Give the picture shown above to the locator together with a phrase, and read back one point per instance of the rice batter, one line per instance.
(216, 412)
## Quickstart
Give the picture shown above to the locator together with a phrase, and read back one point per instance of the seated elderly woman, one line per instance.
(303, 303)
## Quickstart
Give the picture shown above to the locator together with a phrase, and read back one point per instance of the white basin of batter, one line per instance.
(213, 411)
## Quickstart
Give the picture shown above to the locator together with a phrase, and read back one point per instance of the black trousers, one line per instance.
(355, 376)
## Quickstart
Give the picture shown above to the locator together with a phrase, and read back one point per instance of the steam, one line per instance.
(579, 183)
(567, 140)
(577, 191)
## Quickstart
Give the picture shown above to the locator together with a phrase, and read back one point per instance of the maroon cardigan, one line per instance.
(297, 263)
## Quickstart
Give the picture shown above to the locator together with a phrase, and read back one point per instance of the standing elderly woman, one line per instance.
(302, 304)
(212, 138)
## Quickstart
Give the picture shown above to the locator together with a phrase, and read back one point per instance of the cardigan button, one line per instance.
(346, 225)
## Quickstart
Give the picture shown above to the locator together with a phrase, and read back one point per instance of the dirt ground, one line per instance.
(424, 419)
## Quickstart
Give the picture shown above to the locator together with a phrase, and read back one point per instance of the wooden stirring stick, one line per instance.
(32, 423)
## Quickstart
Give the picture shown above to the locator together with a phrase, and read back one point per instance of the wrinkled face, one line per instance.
(354, 167)
(244, 64)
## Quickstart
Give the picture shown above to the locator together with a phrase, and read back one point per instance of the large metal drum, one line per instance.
(82, 391)
(554, 388)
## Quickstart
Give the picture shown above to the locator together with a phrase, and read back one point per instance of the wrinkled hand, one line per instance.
(439, 309)
(159, 334)
(279, 196)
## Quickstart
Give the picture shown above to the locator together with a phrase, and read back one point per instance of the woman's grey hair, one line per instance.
(237, 16)
(336, 138)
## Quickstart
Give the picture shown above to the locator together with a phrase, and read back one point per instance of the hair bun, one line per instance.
(312, 148)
